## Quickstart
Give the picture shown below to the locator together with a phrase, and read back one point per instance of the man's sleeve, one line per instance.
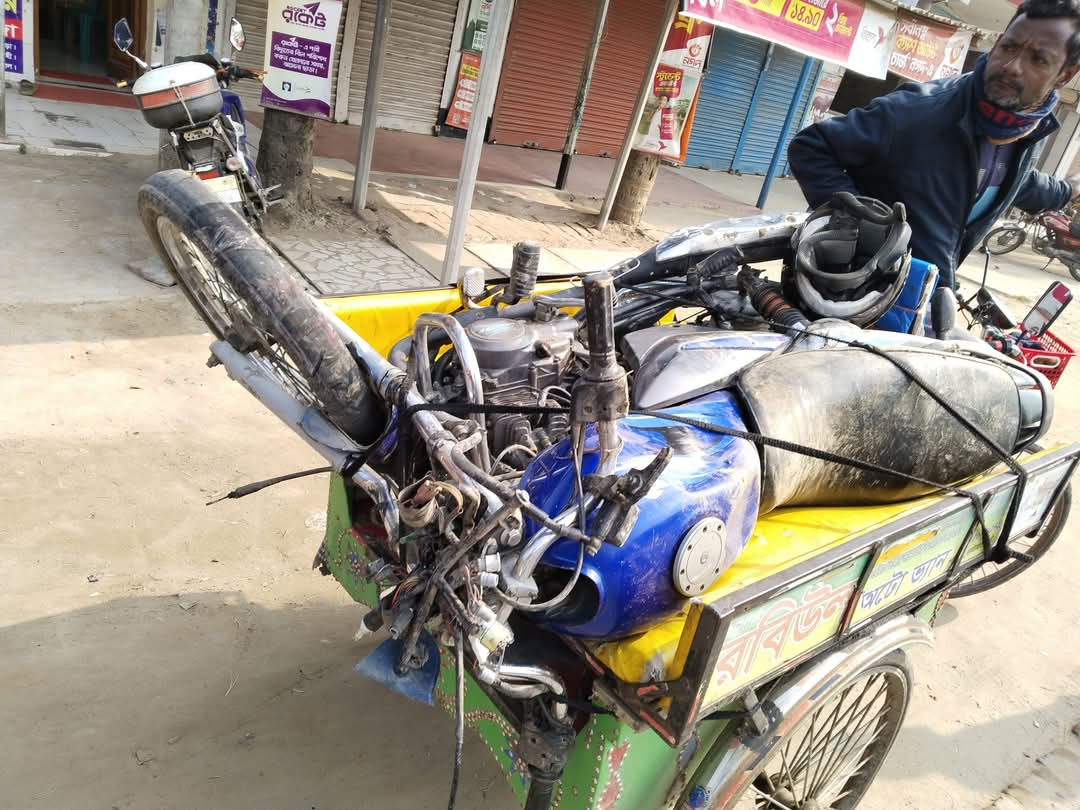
(1041, 192)
(821, 155)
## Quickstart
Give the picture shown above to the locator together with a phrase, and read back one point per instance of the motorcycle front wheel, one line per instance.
(1004, 240)
(246, 296)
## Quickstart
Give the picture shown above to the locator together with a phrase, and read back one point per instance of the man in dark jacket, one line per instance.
(957, 152)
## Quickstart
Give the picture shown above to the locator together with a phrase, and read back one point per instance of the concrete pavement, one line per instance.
(50, 125)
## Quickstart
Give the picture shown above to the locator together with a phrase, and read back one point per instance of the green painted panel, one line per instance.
(345, 557)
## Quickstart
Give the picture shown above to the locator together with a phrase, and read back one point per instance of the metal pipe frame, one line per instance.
(487, 84)
(670, 12)
(369, 123)
(387, 379)
(312, 427)
(420, 367)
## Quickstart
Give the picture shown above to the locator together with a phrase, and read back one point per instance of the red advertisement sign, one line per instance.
(847, 32)
(461, 106)
(927, 50)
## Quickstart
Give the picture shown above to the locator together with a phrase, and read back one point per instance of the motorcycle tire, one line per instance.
(1074, 270)
(992, 574)
(1004, 240)
(246, 296)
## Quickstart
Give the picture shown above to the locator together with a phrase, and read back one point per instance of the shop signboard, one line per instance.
(461, 105)
(926, 50)
(299, 56)
(853, 33)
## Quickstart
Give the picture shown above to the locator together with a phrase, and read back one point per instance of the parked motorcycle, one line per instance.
(1053, 234)
(191, 100)
(654, 565)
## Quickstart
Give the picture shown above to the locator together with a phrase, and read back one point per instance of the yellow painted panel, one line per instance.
(382, 319)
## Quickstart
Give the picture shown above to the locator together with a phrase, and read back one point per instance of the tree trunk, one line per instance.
(285, 158)
(636, 186)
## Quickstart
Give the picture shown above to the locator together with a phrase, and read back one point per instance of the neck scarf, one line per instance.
(1004, 126)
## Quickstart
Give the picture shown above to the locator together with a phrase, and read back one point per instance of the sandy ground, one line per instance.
(159, 653)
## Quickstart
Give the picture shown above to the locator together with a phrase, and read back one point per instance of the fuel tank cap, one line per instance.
(701, 557)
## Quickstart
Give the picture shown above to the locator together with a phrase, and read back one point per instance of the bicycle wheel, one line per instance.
(247, 297)
(992, 574)
(831, 757)
(1004, 240)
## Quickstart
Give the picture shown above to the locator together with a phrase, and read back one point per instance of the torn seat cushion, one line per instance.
(855, 404)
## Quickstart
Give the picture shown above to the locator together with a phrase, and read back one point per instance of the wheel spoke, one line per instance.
(845, 738)
(772, 801)
(851, 741)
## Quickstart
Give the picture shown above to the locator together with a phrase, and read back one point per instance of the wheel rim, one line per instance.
(829, 761)
(1004, 241)
(226, 312)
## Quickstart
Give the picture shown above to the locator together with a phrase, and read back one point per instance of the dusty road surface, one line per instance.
(159, 653)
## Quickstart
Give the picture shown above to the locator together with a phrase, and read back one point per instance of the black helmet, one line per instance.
(850, 260)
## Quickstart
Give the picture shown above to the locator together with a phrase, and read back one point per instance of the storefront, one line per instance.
(745, 97)
(542, 69)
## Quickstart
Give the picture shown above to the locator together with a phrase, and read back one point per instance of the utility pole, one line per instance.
(582, 94)
(640, 178)
(3, 81)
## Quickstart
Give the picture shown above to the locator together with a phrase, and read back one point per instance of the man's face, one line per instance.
(1028, 62)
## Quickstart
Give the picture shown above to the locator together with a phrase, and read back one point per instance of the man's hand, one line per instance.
(1074, 183)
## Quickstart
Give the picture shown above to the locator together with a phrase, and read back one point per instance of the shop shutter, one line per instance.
(541, 70)
(543, 65)
(777, 90)
(252, 15)
(629, 39)
(735, 61)
(417, 51)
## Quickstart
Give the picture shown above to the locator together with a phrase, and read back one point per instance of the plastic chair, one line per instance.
(86, 18)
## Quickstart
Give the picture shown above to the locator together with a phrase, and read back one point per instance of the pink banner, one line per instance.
(847, 32)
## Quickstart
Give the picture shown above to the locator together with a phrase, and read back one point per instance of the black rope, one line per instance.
(465, 408)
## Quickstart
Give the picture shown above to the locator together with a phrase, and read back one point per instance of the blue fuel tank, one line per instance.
(700, 512)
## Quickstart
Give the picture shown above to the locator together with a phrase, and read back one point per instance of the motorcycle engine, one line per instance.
(524, 363)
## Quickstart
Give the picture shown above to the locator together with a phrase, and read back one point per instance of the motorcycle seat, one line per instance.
(1074, 229)
(871, 411)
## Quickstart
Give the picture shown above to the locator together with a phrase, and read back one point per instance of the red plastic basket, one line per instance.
(1051, 359)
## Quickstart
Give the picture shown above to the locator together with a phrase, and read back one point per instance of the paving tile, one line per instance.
(500, 256)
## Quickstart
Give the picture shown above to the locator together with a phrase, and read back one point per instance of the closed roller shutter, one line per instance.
(735, 61)
(541, 70)
(734, 71)
(629, 39)
(777, 90)
(543, 65)
(417, 51)
(252, 15)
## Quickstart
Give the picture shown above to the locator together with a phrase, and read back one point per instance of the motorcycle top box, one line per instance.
(178, 95)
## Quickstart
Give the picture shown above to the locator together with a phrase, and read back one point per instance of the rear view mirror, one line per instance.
(122, 36)
(1046, 309)
(236, 35)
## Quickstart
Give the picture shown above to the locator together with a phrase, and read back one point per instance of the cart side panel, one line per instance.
(770, 637)
(612, 766)
(909, 563)
(1039, 495)
(342, 553)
